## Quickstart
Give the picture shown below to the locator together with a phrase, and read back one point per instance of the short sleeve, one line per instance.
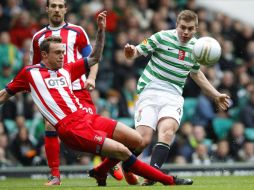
(19, 83)
(149, 45)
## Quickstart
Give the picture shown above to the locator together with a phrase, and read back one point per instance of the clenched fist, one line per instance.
(129, 51)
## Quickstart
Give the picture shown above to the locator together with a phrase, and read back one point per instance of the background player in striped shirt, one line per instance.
(160, 103)
(50, 84)
(77, 45)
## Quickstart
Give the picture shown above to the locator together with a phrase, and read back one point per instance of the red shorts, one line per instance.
(85, 132)
(85, 99)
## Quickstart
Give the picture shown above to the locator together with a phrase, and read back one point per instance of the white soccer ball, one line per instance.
(206, 51)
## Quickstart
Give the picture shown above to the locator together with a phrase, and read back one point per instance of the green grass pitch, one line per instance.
(207, 183)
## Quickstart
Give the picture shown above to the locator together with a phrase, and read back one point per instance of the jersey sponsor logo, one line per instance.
(58, 82)
(181, 55)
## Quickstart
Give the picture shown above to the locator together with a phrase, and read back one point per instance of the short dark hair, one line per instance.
(65, 2)
(45, 44)
(188, 16)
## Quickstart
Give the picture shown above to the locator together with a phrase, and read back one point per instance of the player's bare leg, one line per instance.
(110, 149)
(146, 133)
(131, 178)
(167, 128)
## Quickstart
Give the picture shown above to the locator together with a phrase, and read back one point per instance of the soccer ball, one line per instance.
(206, 51)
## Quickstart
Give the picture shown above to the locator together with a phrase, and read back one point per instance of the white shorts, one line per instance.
(151, 108)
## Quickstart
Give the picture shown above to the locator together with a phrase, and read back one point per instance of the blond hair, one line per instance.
(188, 16)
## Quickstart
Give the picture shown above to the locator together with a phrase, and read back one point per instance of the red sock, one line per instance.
(106, 165)
(52, 148)
(142, 169)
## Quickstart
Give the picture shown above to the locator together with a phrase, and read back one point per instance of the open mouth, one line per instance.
(185, 38)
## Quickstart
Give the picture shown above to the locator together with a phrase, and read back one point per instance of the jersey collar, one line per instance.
(44, 66)
(57, 28)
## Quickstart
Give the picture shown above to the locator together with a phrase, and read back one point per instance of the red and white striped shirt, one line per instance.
(51, 90)
(74, 38)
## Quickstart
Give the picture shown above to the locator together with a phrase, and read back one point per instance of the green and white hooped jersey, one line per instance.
(170, 63)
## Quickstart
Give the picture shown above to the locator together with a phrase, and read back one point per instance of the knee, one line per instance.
(167, 136)
(138, 140)
(169, 133)
(146, 134)
(145, 141)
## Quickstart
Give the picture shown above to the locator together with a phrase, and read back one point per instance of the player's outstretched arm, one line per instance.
(4, 96)
(100, 40)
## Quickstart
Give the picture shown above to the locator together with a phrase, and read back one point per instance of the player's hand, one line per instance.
(222, 101)
(101, 20)
(90, 84)
(129, 51)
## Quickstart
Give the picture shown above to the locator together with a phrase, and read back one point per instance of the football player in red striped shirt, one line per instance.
(77, 45)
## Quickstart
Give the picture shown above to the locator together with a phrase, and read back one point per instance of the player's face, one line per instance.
(56, 56)
(56, 11)
(185, 30)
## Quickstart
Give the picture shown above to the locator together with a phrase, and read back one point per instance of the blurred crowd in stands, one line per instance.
(206, 135)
